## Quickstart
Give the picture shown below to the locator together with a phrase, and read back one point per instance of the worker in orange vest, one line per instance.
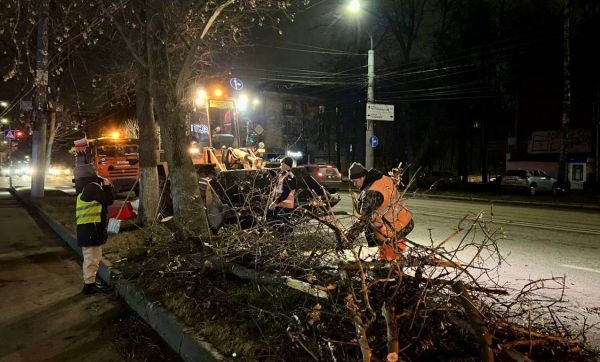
(383, 215)
(284, 196)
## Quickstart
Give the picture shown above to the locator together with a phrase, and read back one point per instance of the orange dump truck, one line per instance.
(116, 159)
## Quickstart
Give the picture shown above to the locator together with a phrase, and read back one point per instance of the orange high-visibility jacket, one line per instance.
(288, 203)
(390, 218)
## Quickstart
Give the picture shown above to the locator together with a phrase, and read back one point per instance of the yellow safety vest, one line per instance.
(87, 212)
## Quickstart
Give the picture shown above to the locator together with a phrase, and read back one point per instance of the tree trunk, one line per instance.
(52, 128)
(188, 206)
(148, 149)
(40, 106)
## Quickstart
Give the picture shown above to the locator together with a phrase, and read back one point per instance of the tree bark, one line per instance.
(188, 205)
(40, 106)
(148, 149)
(52, 128)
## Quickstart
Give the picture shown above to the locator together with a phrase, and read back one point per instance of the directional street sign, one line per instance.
(236, 84)
(373, 141)
(380, 112)
(9, 134)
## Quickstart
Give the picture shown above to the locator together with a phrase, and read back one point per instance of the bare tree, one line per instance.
(171, 47)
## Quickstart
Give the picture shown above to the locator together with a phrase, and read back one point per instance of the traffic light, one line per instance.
(19, 134)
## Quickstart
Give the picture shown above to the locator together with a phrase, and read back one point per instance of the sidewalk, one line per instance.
(44, 316)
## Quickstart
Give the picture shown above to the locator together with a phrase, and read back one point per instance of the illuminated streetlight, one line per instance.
(242, 103)
(218, 92)
(256, 101)
(4, 120)
(3, 104)
(200, 98)
(115, 134)
(353, 7)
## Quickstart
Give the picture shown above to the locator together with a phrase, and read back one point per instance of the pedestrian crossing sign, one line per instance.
(9, 134)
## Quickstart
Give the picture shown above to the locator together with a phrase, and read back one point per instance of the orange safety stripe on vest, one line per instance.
(288, 203)
(390, 218)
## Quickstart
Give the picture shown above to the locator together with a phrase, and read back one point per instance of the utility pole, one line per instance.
(566, 112)
(370, 99)
(40, 104)
(596, 116)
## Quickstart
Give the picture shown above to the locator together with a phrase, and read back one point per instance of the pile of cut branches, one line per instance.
(435, 303)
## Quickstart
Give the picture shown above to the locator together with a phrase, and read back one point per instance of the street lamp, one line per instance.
(4, 120)
(200, 97)
(3, 104)
(354, 8)
(242, 103)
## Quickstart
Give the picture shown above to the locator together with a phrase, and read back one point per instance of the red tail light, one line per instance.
(319, 174)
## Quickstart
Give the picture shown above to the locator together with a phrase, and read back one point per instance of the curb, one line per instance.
(171, 330)
(509, 202)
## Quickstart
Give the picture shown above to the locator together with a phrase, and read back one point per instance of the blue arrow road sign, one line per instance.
(236, 84)
(373, 141)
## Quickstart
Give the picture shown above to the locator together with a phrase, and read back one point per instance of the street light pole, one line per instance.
(40, 105)
(370, 99)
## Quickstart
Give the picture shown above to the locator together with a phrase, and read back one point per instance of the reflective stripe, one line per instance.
(87, 212)
(288, 203)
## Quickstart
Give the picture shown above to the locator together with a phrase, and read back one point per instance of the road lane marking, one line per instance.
(517, 223)
(580, 268)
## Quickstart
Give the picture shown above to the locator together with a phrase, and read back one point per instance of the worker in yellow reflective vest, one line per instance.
(284, 196)
(383, 215)
(94, 195)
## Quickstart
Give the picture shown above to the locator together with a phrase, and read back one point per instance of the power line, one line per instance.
(328, 52)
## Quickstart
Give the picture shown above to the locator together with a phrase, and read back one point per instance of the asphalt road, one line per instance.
(538, 242)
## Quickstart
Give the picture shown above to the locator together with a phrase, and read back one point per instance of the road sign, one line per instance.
(9, 134)
(200, 128)
(236, 84)
(373, 141)
(258, 129)
(380, 112)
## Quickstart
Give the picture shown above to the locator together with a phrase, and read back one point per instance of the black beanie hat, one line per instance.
(288, 161)
(357, 170)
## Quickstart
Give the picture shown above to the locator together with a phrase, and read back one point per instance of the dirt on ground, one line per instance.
(245, 320)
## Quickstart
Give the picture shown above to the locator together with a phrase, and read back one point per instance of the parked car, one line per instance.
(532, 181)
(436, 179)
(327, 175)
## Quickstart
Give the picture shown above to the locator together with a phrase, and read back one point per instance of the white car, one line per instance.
(530, 180)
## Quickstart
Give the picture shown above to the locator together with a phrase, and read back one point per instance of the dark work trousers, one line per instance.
(370, 236)
(281, 219)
